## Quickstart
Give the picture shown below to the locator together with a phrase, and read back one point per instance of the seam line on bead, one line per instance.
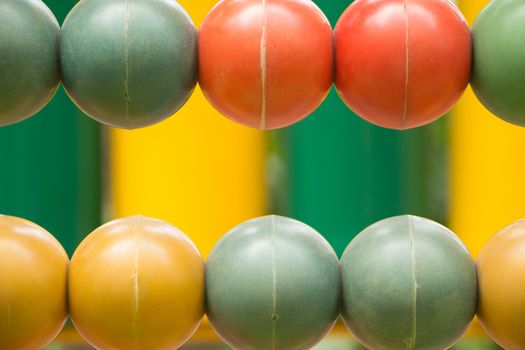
(275, 316)
(262, 123)
(414, 283)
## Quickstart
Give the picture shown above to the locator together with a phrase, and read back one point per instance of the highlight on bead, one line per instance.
(28, 59)
(266, 64)
(402, 64)
(262, 275)
(499, 59)
(33, 285)
(129, 64)
(408, 283)
(136, 283)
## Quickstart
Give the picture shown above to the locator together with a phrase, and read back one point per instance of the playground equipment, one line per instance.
(451, 278)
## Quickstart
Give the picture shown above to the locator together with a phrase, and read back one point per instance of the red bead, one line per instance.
(266, 63)
(401, 64)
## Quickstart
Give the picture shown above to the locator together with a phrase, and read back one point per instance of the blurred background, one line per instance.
(205, 174)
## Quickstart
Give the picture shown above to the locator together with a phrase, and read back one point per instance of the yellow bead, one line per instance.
(33, 273)
(136, 283)
(501, 271)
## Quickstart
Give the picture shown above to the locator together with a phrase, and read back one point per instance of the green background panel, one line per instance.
(339, 174)
(50, 166)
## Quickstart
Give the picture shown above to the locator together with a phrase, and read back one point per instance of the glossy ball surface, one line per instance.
(28, 58)
(266, 64)
(499, 59)
(129, 63)
(33, 287)
(272, 283)
(402, 64)
(136, 283)
(501, 270)
(408, 283)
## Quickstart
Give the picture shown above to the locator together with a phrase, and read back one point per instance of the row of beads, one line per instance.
(270, 283)
(263, 63)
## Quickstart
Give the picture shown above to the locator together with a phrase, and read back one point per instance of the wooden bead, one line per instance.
(136, 283)
(33, 275)
(272, 283)
(501, 270)
(266, 64)
(129, 63)
(408, 283)
(499, 59)
(28, 59)
(402, 64)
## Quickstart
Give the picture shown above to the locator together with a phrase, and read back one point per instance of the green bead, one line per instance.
(408, 283)
(498, 76)
(28, 58)
(272, 283)
(129, 63)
